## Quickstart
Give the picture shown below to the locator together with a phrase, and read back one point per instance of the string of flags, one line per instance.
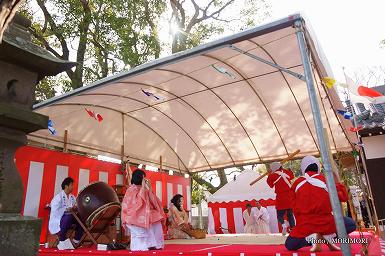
(94, 115)
(50, 127)
(150, 94)
(358, 90)
(347, 115)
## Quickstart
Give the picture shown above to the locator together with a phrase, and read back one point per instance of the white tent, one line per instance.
(240, 190)
(227, 204)
(236, 101)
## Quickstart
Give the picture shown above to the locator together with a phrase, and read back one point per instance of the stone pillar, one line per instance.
(22, 65)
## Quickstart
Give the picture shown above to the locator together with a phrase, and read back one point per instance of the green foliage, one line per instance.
(45, 89)
(102, 36)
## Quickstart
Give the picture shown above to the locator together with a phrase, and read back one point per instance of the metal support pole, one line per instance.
(335, 202)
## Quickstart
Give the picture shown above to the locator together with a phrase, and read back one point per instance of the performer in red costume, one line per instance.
(280, 178)
(312, 209)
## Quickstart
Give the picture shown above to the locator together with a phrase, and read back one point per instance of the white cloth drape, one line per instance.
(142, 238)
(313, 181)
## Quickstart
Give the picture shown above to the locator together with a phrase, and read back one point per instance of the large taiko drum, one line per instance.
(94, 198)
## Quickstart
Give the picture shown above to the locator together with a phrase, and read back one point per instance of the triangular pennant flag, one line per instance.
(345, 114)
(147, 93)
(329, 82)
(99, 117)
(356, 129)
(90, 113)
(50, 127)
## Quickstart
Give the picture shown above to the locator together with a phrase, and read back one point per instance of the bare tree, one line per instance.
(370, 76)
(191, 22)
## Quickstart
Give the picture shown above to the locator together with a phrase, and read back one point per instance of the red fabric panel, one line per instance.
(217, 220)
(230, 220)
(48, 189)
(51, 159)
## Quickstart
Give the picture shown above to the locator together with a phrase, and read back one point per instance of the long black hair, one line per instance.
(137, 177)
(176, 201)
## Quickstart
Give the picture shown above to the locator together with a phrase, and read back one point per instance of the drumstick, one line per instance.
(288, 158)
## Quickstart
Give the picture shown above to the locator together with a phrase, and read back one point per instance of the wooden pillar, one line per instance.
(161, 164)
(65, 147)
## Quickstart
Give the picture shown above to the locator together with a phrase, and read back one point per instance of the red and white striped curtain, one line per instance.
(227, 217)
(42, 172)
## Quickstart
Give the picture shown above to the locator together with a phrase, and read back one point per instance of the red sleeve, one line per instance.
(342, 192)
(270, 179)
(296, 182)
(290, 173)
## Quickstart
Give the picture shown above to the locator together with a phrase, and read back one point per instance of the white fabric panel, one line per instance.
(374, 146)
(84, 179)
(119, 179)
(103, 176)
(32, 197)
(61, 174)
(211, 225)
(273, 219)
(223, 220)
(241, 190)
(170, 193)
(180, 190)
(238, 220)
(158, 185)
(188, 196)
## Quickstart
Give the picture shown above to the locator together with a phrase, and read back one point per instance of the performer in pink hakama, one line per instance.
(142, 214)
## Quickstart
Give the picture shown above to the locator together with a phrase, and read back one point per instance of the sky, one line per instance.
(349, 32)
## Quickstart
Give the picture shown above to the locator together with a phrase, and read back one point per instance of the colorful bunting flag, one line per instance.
(150, 94)
(361, 145)
(50, 127)
(224, 71)
(329, 82)
(347, 115)
(94, 115)
(356, 129)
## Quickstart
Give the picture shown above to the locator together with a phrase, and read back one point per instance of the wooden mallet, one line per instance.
(288, 158)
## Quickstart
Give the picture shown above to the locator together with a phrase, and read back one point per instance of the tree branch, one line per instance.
(45, 43)
(54, 29)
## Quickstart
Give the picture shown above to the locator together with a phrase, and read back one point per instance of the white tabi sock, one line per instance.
(65, 245)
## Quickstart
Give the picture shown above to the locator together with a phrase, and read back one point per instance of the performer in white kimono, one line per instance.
(262, 219)
(251, 221)
(61, 219)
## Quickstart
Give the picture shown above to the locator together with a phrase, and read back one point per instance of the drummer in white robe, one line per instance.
(251, 221)
(262, 219)
(61, 219)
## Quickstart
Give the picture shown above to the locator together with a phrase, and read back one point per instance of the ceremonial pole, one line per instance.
(335, 202)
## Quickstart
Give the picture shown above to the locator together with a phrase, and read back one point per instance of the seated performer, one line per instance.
(280, 178)
(250, 220)
(179, 226)
(61, 219)
(262, 218)
(142, 214)
(312, 209)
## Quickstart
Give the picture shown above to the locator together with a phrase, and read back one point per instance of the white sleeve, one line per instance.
(265, 215)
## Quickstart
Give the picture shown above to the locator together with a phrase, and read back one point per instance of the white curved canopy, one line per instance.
(217, 108)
